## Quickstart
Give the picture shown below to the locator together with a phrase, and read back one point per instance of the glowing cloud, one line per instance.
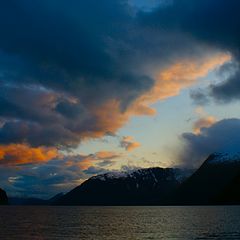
(171, 80)
(204, 122)
(105, 155)
(86, 161)
(19, 154)
(109, 117)
(129, 144)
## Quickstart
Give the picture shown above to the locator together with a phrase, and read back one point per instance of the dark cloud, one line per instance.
(228, 90)
(95, 170)
(128, 143)
(199, 97)
(66, 65)
(43, 181)
(71, 70)
(221, 136)
(37, 135)
(59, 66)
(61, 47)
(215, 23)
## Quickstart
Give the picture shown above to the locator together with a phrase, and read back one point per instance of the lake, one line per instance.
(108, 223)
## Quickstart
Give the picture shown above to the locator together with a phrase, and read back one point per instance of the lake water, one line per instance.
(105, 223)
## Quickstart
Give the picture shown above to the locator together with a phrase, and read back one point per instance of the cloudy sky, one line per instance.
(99, 85)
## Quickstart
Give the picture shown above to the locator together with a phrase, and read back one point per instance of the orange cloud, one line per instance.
(203, 123)
(129, 144)
(168, 83)
(108, 119)
(84, 162)
(19, 154)
(105, 155)
(200, 111)
(171, 80)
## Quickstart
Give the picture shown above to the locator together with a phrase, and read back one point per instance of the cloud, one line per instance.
(147, 5)
(43, 181)
(224, 91)
(220, 136)
(19, 154)
(62, 75)
(98, 159)
(68, 64)
(60, 173)
(128, 143)
(171, 80)
(95, 170)
(203, 122)
(212, 23)
(199, 97)
(215, 22)
(105, 155)
(75, 70)
(228, 90)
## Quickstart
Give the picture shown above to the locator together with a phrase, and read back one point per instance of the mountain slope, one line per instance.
(213, 182)
(27, 201)
(33, 201)
(140, 187)
(3, 197)
(231, 193)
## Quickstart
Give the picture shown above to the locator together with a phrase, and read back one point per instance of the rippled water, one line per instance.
(105, 223)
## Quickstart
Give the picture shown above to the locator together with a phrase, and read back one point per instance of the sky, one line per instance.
(93, 86)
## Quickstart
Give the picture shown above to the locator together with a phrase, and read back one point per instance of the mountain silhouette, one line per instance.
(215, 182)
(3, 197)
(140, 187)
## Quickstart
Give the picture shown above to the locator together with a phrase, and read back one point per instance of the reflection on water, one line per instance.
(40, 223)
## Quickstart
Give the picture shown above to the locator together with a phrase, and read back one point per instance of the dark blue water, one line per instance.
(105, 223)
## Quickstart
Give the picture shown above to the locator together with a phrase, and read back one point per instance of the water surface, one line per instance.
(116, 223)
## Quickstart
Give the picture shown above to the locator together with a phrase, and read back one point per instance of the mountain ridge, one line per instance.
(3, 197)
(216, 181)
(139, 187)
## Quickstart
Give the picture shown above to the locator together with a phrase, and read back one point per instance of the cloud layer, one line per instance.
(220, 136)
(74, 70)
(128, 143)
(214, 23)
(19, 154)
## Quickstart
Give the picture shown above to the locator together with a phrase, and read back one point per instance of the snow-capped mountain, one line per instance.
(226, 157)
(212, 181)
(145, 173)
(142, 186)
(217, 181)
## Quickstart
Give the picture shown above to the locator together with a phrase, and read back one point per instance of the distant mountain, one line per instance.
(3, 197)
(139, 187)
(215, 182)
(27, 201)
(33, 201)
(55, 198)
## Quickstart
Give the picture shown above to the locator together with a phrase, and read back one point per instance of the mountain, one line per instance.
(55, 198)
(3, 197)
(215, 182)
(33, 201)
(140, 187)
(27, 201)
